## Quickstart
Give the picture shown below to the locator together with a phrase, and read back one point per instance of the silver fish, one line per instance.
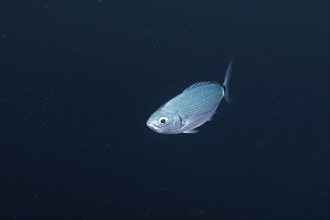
(191, 108)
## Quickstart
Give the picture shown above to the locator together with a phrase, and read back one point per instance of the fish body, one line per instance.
(191, 108)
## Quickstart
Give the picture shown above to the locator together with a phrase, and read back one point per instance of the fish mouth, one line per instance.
(152, 126)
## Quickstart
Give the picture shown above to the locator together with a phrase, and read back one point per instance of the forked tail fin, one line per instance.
(227, 79)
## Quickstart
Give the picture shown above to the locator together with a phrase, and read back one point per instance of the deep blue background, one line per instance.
(79, 80)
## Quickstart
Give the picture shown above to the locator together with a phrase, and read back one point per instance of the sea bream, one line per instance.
(191, 108)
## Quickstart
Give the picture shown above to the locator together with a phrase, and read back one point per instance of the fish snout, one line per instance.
(152, 126)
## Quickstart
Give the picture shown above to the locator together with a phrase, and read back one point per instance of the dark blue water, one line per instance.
(79, 80)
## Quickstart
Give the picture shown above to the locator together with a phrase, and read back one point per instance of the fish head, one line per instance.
(164, 122)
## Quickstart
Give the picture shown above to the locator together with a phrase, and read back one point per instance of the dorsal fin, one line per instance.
(195, 85)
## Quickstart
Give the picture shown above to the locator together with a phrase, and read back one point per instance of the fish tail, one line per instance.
(226, 81)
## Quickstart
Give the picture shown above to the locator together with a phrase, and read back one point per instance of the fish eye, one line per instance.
(163, 120)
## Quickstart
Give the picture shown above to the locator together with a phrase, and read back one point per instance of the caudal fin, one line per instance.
(227, 79)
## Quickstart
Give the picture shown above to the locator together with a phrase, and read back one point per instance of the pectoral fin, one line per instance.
(192, 131)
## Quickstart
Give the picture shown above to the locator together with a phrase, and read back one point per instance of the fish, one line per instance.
(191, 108)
